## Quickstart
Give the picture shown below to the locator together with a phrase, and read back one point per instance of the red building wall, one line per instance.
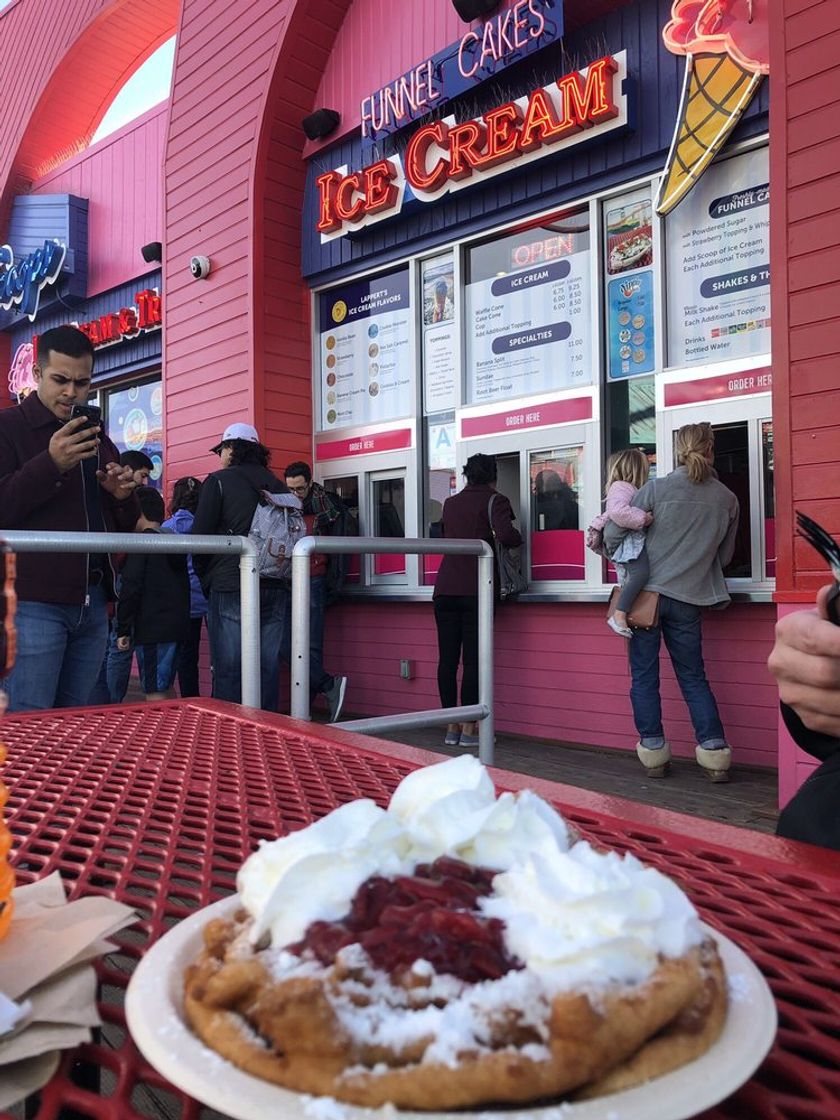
(805, 260)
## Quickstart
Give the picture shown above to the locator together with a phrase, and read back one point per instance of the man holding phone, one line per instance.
(60, 473)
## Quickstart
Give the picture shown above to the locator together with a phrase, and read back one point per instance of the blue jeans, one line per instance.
(679, 625)
(224, 628)
(319, 679)
(115, 672)
(59, 653)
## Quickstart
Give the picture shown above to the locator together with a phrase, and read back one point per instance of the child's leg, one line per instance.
(638, 572)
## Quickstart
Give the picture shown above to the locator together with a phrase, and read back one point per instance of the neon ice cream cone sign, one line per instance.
(726, 44)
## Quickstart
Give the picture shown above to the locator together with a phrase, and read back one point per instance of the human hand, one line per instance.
(806, 662)
(117, 480)
(73, 442)
(648, 518)
(124, 643)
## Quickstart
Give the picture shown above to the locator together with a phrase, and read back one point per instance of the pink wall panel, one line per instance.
(560, 675)
(122, 179)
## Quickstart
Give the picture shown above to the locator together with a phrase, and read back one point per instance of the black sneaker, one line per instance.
(335, 697)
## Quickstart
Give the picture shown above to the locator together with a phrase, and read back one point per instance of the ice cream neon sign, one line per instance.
(447, 156)
(21, 284)
(727, 48)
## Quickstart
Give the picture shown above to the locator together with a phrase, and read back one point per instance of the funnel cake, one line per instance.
(457, 950)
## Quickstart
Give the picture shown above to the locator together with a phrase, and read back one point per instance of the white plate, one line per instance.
(154, 1009)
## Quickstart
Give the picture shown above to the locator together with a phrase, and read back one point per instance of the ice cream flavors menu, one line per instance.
(365, 353)
(530, 331)
(718, 246)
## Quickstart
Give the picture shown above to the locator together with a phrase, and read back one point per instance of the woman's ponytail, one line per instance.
(693, 448)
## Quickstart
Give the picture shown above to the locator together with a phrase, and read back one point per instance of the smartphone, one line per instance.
(92, 412)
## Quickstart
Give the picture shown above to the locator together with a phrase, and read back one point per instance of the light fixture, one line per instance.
(152, 252)
(320, 123)
(469, 10)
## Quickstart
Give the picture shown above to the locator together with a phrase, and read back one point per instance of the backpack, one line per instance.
(276, 527)
(512, 580)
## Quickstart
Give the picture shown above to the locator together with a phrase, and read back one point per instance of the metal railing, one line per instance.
(249, 582)
(301, 600)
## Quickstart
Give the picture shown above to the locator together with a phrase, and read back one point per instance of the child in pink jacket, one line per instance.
(621, 528)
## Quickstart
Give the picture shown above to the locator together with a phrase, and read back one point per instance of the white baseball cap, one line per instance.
(236, 431)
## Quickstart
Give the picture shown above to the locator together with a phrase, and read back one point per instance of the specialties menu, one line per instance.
(439, 339)
(719, 264)
(530, 331)
(365, 352)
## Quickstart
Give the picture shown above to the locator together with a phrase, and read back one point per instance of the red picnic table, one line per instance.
(157, 806)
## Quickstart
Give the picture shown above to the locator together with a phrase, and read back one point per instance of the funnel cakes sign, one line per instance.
(447, 156)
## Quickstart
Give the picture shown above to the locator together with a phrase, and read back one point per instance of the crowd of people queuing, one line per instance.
(82, 618)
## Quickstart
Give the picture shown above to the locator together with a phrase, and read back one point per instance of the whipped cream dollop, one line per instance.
(572, 914)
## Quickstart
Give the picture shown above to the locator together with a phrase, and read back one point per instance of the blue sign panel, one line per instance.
(630, 326)
(483, 52)
(45, 256)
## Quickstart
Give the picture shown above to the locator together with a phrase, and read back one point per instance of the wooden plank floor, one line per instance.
(748, 800)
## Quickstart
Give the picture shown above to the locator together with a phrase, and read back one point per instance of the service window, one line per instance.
(346, 489)
(388, 519)
(768, 499)
(557, 540)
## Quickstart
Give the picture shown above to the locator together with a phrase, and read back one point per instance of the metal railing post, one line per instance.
(301, 602)
(249, 605)
(23, 541)
(486, 728)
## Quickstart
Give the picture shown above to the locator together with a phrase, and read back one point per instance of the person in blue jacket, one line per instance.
(185, 494)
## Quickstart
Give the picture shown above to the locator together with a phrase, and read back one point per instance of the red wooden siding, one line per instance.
(805, 251)
(559, 675)
(121, 176)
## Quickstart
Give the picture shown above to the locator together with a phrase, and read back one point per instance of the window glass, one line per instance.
(529, 310)
(134, 422)
(557, 542)
(365, 371)
(732, 463)
(347, 489)
(718, 264)
(388, 515)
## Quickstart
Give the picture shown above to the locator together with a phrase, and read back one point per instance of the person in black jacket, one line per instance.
(226, 506)
(153, 610)
(806, 662)
(467, 514)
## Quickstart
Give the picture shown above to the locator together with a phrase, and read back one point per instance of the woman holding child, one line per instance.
(689, 543)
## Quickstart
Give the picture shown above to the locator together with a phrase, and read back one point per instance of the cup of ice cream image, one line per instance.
(726, 44)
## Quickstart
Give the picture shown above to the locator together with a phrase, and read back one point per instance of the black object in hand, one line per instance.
(829, 549)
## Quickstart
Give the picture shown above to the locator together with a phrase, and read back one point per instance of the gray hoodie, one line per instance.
(692, 537)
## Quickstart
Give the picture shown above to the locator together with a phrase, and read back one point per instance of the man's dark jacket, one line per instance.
(813, 814)
(36, 496)
(226, 506)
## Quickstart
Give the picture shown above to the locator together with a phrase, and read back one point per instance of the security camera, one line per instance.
(200, 267)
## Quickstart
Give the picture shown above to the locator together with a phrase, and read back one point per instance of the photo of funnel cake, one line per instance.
(726, 44)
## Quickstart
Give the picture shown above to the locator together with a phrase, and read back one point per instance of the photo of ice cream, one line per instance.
(330, 361)
(727, 49)
(331, 379)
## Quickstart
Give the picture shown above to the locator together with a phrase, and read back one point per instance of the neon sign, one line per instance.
(21, 284)
(126, 323)
(446, 156)
(481, 53)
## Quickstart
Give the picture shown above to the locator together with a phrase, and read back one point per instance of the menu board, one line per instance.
(630, 324)
(440, 346)
(530, 331)
(718, 248)
(365, 365)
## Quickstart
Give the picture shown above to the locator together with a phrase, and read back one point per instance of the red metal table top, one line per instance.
(158, 805)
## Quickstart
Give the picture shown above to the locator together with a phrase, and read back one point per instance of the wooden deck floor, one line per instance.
(747, 801)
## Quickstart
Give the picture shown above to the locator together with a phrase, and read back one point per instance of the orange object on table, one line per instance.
(8, 602)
